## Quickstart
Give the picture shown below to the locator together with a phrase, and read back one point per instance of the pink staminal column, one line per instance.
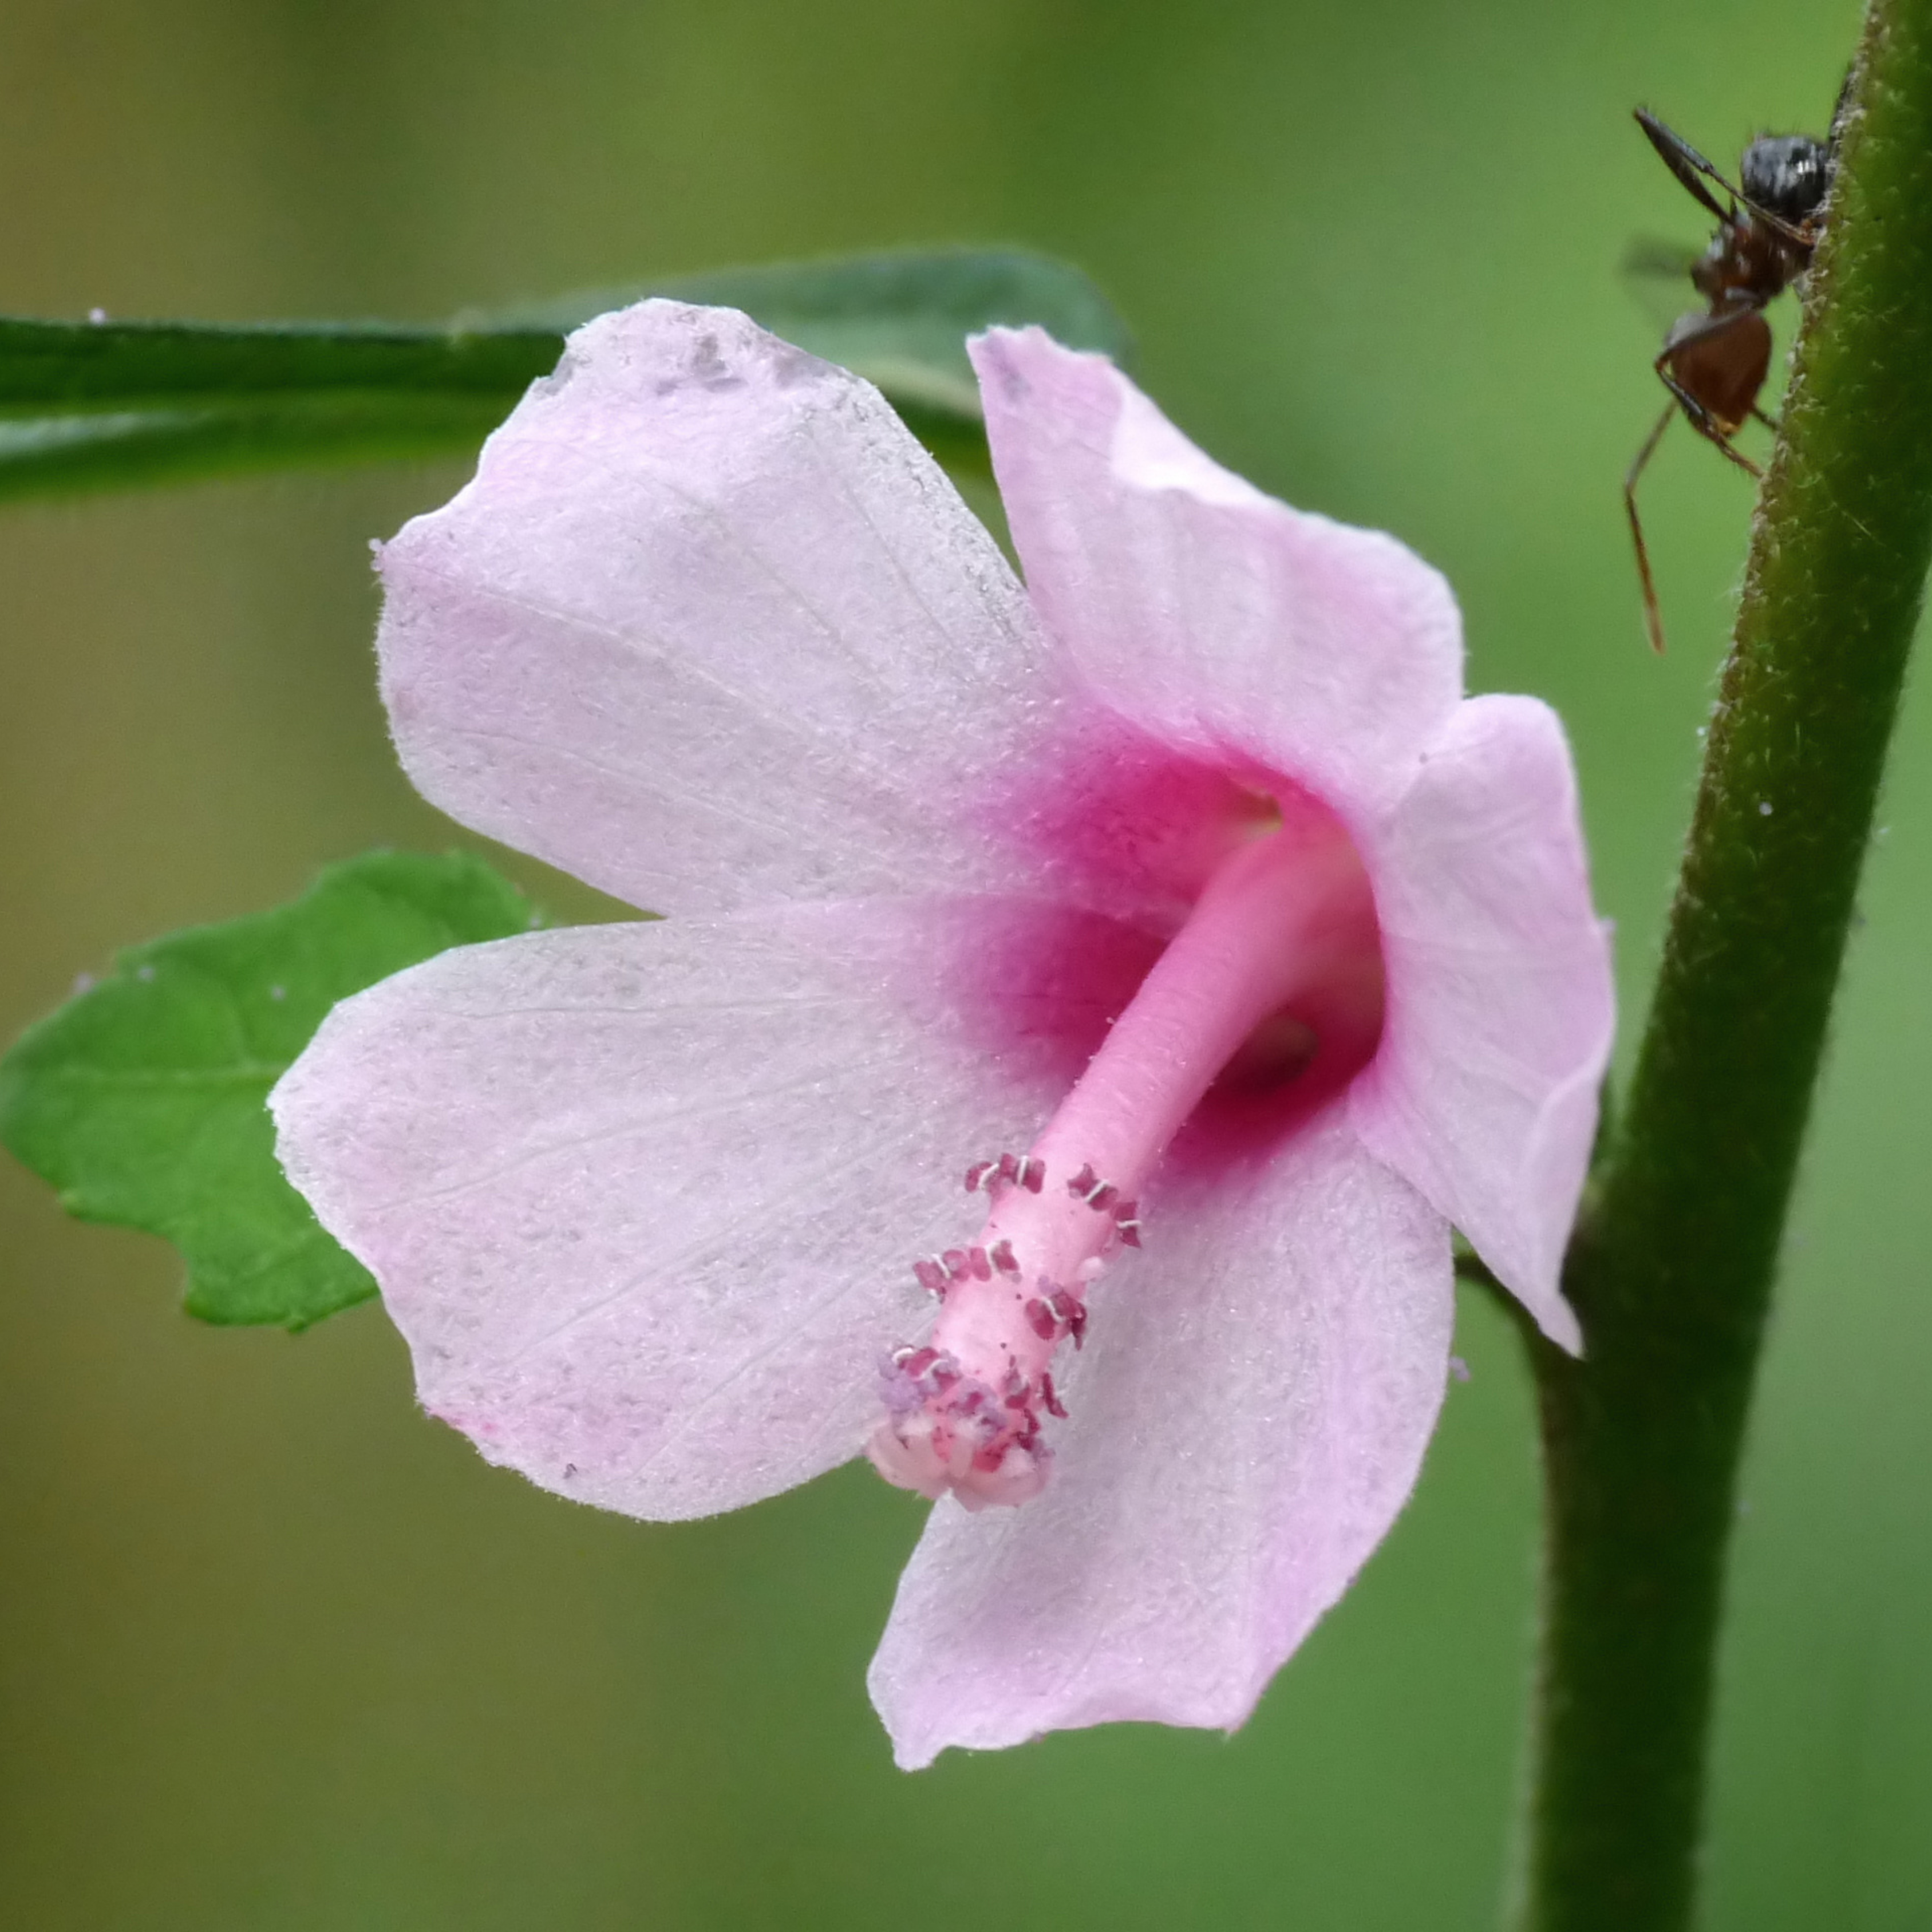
(1278, 967)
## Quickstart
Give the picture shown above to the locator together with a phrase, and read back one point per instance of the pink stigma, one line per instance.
(1277, 969)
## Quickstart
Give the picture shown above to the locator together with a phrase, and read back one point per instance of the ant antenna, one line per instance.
(1687, 164)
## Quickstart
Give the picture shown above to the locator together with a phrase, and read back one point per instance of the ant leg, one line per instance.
(1653, 619)
(1770, 423)
(1710, 429)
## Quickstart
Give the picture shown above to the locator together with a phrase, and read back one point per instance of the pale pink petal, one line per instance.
(645, 1199)
(1501, 1008)
(1249, 1416)
(1210, 615)
(709, 628)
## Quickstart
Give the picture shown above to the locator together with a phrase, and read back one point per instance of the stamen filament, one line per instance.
(1285, 919)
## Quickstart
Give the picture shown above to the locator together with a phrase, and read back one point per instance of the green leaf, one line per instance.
(115, 449)
(141, 1099)
(93, 405)
(899, 320)
(48, 367)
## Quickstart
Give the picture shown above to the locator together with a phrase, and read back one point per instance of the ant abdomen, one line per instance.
(1720, 371)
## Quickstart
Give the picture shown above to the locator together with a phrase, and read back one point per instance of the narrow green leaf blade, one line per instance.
(47, 368)
(117, 449)
(107, 405)
(142, 1099)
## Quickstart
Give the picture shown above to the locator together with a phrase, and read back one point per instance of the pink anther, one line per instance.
(1069, 1314)
(1017, 1390)
(1127, 1223)
(1002, 1257)
(1011, 1170)
(1049, 1395)
(1089, 1187)
(932, 1275)
(1057, 1314)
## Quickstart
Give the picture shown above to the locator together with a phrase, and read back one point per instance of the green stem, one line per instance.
(1672, 1274)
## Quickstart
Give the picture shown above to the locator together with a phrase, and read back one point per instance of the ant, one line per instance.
(1714, 363)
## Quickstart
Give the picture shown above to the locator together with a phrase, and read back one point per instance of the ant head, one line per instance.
(1786, 175)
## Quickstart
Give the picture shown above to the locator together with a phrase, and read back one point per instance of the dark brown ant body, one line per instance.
(1715, 362)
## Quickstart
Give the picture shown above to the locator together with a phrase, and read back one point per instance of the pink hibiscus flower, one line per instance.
(1178, 903)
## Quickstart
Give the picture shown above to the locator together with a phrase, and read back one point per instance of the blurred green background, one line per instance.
(275, 1651)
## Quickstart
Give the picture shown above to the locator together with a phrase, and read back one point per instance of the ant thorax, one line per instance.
(1747, 264)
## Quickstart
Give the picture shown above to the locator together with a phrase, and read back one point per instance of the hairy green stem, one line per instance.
(1672, 1273)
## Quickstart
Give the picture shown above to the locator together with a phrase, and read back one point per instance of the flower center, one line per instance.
(1280, 947)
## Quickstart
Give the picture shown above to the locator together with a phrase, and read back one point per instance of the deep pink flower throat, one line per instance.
(1278, 963)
